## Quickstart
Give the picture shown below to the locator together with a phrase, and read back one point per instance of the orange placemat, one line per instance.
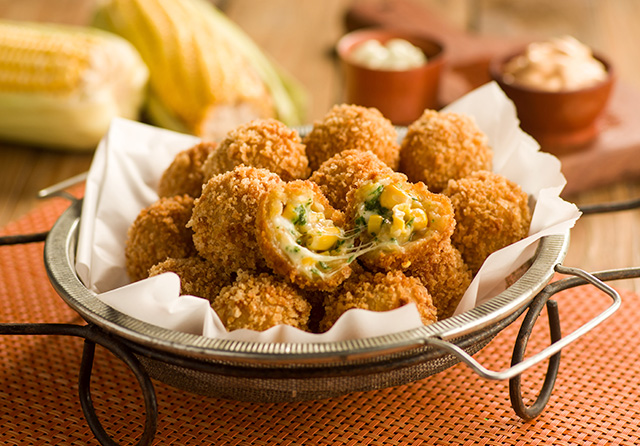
(596, 399)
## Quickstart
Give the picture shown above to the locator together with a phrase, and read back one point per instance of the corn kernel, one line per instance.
(374, 224)
(397, 225)
(289, 212)
(324, 240)
(419, 219)
(392, 195)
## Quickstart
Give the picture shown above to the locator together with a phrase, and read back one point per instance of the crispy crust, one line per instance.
(276, 258)
(223, 219)
(348, 127)
(158, 232)
(263, 143)
(259, 302)
(443, 146)
(185, 175)
(491, 213)
(378, 292)
(446, 277)
(198, 276)
(345, 171)
(401, 257)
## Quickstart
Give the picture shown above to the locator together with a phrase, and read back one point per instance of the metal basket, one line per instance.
(277, 372)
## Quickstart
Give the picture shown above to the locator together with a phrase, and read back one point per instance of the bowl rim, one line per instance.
(348, 41)
(497, 62)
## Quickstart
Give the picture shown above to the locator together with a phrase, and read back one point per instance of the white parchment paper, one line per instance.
(131, 158)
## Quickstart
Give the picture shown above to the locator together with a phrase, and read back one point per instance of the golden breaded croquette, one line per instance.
(159, 232)
(446, 277)
(185, 175)
(397, 221)
(263, 143)
(378, 292)
(348, 127)
(198, 276)
(491, 213)
(301, 238)
(442, 146)
(223, 219)
(259, 302)
(344, 171)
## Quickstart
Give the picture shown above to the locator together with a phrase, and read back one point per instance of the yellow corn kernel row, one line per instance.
(32, 59)
(60, 86)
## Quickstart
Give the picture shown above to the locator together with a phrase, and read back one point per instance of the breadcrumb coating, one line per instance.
(491, 212)
(159, 232)
(263, 143)
(378, 292)
(288, 246)
(223, 219)
(348, 127)
(443, 146)
(446, 277)
(345, 171)
(198, 276)
(185, 175)
(259, 302)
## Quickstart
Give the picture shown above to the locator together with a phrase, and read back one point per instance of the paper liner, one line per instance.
(131, 158)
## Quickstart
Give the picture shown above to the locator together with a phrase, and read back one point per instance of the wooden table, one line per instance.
(301, 36)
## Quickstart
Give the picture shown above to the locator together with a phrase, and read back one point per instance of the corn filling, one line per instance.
(309, 238)
(390, 214)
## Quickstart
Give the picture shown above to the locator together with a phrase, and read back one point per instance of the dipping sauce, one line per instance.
(559, 64)
(395, 55)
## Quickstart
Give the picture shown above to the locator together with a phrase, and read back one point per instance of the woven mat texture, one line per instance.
(596, 399)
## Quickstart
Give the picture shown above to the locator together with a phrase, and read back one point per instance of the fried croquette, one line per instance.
(223, 220)
(345, 171)
(259, 302)
(159, 232)
(442, 146)
(397, 221)
(263, 143)
(185, 175)
(378, 292)
(491, 212)
(348, 127)
(446, 277)
(198, 276)
(300, 236)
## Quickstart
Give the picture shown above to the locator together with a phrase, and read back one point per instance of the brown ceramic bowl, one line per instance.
(561, 121)
(401, 96)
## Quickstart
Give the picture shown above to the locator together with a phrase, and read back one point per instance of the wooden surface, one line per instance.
(301, 35)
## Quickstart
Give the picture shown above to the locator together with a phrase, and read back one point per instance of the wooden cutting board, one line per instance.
(613, 156)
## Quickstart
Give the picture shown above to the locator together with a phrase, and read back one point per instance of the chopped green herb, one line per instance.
(301, 215)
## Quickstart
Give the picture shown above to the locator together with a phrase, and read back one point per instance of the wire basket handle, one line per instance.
(519, 364)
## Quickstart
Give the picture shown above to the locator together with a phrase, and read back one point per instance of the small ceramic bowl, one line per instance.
(401, 96)
(561, 121)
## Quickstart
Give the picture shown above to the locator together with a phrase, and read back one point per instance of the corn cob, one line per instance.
(60, 86)
(206, 75)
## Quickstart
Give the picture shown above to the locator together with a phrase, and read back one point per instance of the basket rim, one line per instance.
(59, 257)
